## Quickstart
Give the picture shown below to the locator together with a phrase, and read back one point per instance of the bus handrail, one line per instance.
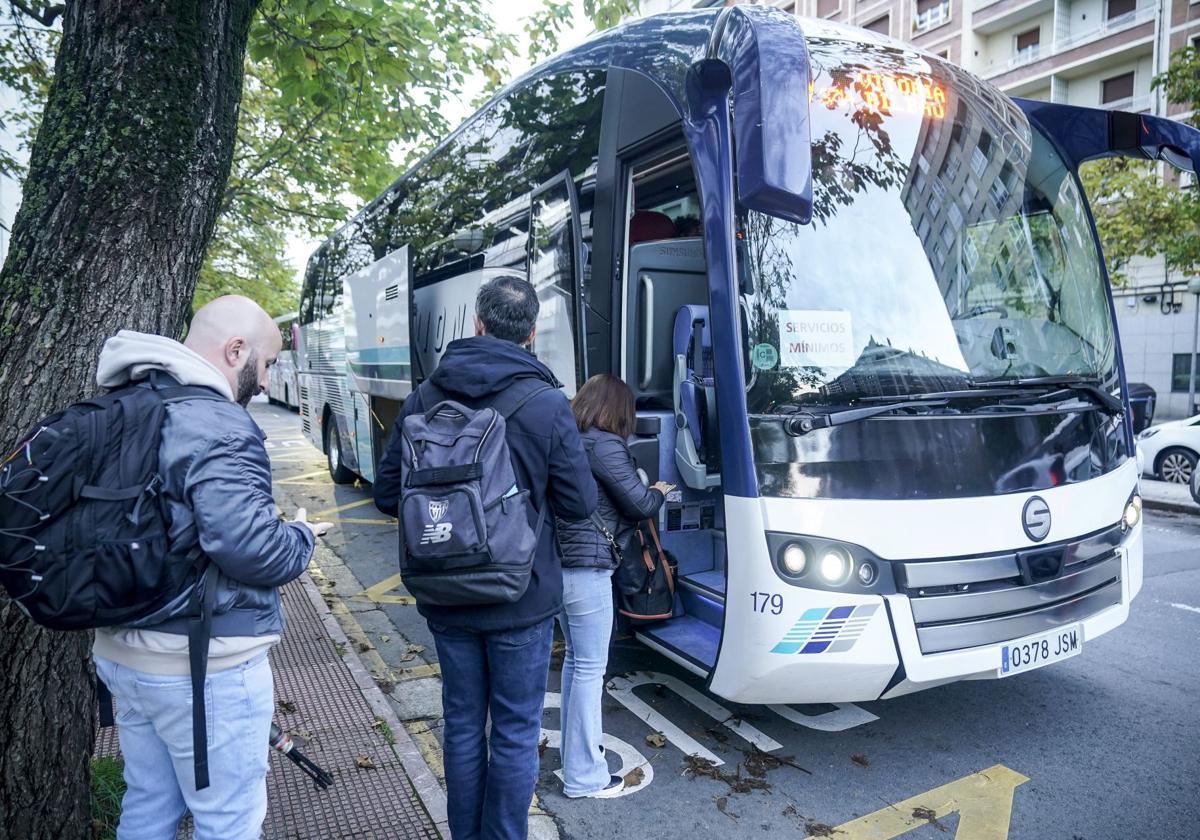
(647, 284)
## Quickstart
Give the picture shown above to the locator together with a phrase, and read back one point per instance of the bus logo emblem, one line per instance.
(827, 629)
(1035, 518)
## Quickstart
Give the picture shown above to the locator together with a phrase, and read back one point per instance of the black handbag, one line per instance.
(646, 577)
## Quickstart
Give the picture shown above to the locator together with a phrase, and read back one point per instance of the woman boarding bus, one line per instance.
(885, 375)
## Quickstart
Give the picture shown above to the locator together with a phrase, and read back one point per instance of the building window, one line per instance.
(945, 53)
(1029, 40)
(1116, 8)
(1181, 366)
(825, 8)
(931, 14)
(1116, 88)
(881, 25)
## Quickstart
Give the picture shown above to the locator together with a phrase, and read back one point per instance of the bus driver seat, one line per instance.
(695, 398)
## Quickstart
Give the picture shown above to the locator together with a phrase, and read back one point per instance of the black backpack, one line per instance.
(83, 526)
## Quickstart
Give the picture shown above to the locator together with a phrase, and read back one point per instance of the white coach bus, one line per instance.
(860, 299)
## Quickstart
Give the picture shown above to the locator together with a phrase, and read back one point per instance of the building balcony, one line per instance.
(1132, 104)
(1076, 51)
(991, 16)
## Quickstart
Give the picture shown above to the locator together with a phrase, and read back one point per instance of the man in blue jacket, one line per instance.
(496, 658)
(217, 487)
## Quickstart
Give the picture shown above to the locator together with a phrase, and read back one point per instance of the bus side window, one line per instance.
(553, 258)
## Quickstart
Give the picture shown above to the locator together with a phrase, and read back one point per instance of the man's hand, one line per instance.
(319, 529)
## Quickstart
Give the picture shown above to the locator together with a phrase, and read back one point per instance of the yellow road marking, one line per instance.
(418, 671)
(352, 521)
(380, 592)
(301, 479)
(340, 508)
(430, 749)
(983, 802)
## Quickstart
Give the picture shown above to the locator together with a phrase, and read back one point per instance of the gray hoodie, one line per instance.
(217, 485)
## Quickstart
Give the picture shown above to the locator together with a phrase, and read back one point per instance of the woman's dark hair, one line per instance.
(606, 403)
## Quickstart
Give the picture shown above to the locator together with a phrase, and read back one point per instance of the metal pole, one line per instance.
(1193, 286)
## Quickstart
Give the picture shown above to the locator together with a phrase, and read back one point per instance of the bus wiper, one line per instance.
(1088, 387)
(805, 422)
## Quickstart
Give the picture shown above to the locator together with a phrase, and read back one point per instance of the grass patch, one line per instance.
(383, 729)
(108, 786)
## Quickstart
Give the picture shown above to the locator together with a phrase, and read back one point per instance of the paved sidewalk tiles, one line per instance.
(341, 720)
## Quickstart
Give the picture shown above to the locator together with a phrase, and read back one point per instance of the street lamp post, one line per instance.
(1193, 287)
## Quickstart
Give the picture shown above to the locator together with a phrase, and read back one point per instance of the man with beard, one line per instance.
(216, 485)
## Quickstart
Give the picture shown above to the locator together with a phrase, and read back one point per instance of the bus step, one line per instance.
(687, 640)
(701, 602)
(710, 584)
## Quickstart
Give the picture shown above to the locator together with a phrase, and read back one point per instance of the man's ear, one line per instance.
(532, 336)
(235, 348)
(479, 330)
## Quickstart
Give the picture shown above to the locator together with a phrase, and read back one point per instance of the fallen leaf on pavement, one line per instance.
(286, 706)
(365, 762)
(656, 739)
(722, 803)
(861, 760)
(816, 829)
(383, 638)
(634, 777)
(543, 745)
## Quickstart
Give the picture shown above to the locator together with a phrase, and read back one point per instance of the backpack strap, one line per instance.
(516, 395)
(199, 633)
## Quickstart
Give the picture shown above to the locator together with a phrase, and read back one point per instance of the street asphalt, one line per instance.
(1103, 745)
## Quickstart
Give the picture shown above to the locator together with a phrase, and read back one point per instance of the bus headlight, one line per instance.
(794, 558)
(835, 566)
(1133, 512)
(866, 573)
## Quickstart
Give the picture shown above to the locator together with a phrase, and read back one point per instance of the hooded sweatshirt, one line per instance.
(547, 456)
(200, 439)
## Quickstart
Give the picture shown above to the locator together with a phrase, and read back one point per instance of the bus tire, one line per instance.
(333, 453)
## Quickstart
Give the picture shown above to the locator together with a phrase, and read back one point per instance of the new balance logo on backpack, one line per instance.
(470, 535)
(437, 531)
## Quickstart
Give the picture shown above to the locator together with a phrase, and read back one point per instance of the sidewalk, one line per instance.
(342, 721)
(1163, 495)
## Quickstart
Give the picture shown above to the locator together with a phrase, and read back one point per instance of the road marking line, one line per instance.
(351, 521)
(330, 511)
(301, 479)
(1186, 607)
(621, 690)
(845, 716)
(983, 802)
(417, 672)
(379, 593)
(630, 757)
(430, 749)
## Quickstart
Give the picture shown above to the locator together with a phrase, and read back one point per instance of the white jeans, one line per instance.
(586, 620)
(154, 720)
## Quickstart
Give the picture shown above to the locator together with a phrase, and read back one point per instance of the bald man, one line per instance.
(217, 491)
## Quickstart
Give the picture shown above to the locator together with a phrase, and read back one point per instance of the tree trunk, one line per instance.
(124, 182)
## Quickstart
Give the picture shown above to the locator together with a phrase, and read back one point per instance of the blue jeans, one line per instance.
(154, 720)
(586, 621)
(502, 673)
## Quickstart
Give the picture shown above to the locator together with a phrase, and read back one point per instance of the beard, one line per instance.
(247, 380)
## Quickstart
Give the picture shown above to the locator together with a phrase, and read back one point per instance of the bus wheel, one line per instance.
(333, 454)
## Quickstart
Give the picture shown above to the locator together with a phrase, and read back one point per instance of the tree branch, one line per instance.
(46, 18)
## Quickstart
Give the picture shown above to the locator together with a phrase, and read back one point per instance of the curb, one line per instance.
(1171, 507)
(424, 783)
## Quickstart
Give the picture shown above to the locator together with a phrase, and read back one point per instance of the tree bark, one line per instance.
(124, 183)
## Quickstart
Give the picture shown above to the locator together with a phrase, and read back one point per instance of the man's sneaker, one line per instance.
(615, 785)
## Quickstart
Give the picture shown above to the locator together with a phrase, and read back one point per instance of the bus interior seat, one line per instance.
(663, 276)
(650, 225)
(694, 398)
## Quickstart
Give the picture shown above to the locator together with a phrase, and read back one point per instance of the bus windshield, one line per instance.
(949, 245)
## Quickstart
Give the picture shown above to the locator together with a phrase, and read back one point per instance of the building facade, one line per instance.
(1094, 53)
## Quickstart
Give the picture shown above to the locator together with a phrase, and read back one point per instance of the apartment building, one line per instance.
(1095, 53)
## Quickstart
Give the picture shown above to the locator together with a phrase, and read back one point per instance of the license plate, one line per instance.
(1042, 649)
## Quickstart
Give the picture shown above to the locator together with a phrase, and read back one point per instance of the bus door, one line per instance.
(667, 361)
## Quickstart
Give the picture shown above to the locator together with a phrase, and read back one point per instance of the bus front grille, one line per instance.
(972, 601)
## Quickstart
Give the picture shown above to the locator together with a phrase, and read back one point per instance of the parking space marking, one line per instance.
(983, 802)
(845, 716)
(352, 521)
(621, 690)
(330, 511)
(631, 757)
(1187, 607)
(380, 593)
(307, 478)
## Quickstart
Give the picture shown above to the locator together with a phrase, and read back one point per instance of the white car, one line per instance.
(1172, 449)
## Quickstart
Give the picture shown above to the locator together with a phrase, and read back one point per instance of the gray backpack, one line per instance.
(470, 533)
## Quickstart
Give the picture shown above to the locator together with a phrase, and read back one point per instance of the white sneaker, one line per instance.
(614, 788)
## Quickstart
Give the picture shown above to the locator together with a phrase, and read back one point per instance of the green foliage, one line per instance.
(108, 787)
(1140, 214)
(334, 89)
